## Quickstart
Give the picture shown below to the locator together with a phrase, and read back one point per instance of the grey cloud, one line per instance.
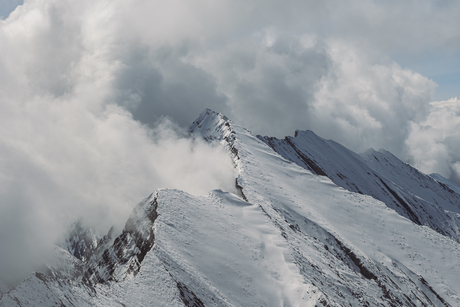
(270, 80)
(155, 83)
(293, 82)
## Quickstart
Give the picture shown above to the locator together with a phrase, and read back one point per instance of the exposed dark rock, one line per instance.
(128, 250)
(411, 214)
(188, 297)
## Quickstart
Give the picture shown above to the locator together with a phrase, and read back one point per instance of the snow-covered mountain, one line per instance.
(291, 237)
(414, 195)
(446, 182)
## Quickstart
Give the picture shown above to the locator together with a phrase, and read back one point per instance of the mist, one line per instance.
(56, 170)
(95, 97)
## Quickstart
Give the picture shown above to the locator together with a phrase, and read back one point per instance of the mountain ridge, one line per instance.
(409, 192)
(290, 238)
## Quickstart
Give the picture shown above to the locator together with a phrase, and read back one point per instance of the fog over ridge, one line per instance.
(95, 96)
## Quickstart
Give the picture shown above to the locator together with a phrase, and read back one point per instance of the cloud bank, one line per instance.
(94, 94)
(60, 162)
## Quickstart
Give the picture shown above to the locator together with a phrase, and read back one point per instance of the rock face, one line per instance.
(290, 238)
(125, 256)
(81, 241)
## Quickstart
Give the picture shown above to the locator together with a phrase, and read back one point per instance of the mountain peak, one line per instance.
(353, 236)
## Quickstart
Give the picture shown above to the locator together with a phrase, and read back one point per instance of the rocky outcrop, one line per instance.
(127, 252)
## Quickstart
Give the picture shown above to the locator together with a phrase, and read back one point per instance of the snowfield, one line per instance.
(290, 237)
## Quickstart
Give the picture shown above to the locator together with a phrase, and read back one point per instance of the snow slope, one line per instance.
(446, 181)
(216, 250)
(290, 238)
(379, 174)
(340, 239)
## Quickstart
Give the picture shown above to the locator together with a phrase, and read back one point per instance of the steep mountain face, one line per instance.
(446, 182)
(290, 238)
(125, 256)
(379, 174)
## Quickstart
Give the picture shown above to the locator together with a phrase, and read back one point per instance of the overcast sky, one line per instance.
(94, 93)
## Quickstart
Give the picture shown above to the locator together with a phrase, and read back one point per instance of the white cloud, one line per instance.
(434, 143)
(365, 103)
(67, 150)
(60, 161)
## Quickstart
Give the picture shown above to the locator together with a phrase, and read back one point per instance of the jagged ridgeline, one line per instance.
(313, 224)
